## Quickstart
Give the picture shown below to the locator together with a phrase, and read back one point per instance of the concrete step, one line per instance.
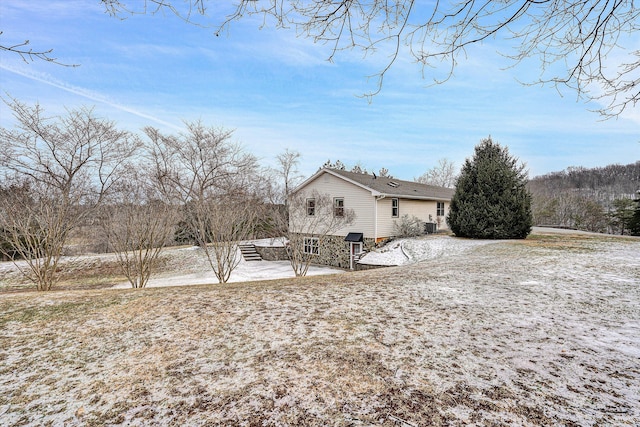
(249, 252)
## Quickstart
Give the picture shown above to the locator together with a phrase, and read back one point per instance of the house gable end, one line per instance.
(333, 172)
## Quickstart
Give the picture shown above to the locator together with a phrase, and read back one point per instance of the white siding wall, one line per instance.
(418, 208)
(364, 206)
(385, 221)
(359, 200)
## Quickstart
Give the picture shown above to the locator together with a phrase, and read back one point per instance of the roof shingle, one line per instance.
(396, 187)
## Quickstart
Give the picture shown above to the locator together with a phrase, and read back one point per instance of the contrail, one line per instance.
(87, 94)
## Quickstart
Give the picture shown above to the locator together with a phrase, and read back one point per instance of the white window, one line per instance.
(310, 245)
(338, 207)
(440, 209)
(394, 208)
(356, 248)
(311, 207)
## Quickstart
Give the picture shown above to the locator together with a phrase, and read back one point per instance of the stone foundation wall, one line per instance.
(334, 251)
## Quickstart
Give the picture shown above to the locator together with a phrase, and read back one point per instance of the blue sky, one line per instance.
(279, 91)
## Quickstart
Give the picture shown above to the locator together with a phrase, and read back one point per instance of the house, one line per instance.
(378, 203)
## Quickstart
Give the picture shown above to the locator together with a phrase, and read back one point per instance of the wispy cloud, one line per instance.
(84, 93)
(49, 8)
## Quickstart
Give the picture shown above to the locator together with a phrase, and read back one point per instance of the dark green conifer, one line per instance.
(491, 200)
(634, 224)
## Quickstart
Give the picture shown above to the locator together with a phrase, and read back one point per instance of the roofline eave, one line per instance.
(412, 197)
(374, 193)
(337, 175)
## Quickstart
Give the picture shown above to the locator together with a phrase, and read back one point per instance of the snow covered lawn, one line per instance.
(196, 271)
(180, 266)
(411, 250)
(538, 332)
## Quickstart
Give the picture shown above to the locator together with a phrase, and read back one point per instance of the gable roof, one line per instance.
(388, 187)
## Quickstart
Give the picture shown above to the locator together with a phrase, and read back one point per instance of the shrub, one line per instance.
(408, 226)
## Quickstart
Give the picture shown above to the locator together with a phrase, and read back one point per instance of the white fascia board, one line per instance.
(409, 197)
(307, 181)
(373, 192)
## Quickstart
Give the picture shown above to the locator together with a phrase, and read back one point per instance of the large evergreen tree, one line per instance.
(491, 200)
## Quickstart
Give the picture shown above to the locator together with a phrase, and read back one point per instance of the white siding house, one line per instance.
(378, 204)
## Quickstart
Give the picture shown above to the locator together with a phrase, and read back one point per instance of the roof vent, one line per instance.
(393, 184)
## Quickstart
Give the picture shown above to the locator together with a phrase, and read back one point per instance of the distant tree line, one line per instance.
(602, 199)
(357, 168)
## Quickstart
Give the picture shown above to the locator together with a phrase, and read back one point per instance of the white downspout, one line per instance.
(351, 255)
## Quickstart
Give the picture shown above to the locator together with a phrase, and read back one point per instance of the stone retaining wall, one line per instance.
(361, 267)
(273, 253)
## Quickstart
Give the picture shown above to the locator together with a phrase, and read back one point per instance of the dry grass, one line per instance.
(96, 271)
(513, 333)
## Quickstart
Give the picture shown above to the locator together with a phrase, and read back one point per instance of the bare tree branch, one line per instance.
(29, 55)
(576, 44)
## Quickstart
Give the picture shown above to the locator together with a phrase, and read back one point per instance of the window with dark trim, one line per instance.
(440, 209)
(311, 207)
(310, 245)
(338, 207)
(395, 208)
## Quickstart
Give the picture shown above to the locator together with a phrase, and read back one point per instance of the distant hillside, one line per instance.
(584, 198)
(603, 184)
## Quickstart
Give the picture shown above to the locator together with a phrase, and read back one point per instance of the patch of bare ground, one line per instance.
(506, 334)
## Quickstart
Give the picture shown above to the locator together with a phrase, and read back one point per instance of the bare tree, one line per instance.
(564, 209)
(213, 179)
(359, 168)
(226, 221)
(33, 230)
(138, 224)
(69, 164)
(337, 165)
(287, 170)
(576, 44)
(278, 183)
(442, 175)
(312, 218)
(384, 172)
